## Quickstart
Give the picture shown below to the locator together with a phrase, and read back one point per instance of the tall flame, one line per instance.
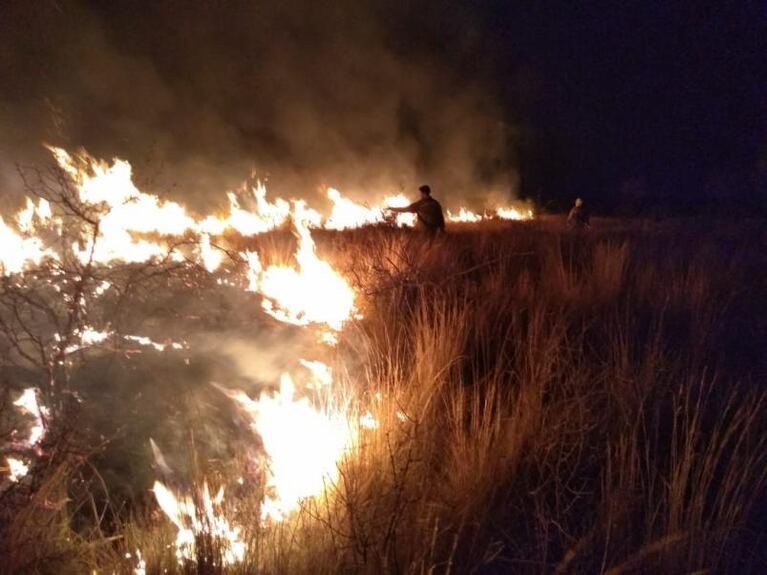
(311, 293)
(123, 211)
(303, 442)
(28, 403)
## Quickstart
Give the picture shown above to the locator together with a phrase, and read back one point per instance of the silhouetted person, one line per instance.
(578, 217)
(428, 210)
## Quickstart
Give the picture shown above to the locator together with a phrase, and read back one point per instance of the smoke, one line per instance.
(358, 95)
(154, 406)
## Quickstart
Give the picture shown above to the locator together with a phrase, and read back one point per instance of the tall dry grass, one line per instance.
(549, 403)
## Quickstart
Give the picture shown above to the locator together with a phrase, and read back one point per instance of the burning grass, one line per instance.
(222, 395)
(536, 402)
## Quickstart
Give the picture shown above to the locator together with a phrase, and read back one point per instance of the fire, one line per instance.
(347, 214)
(312, 293)
(123, 210)
(322, 374)
(306, 433)
(463, 215)
(28, 403)
(122, 216)
(127, 208)
(211, 257)
(206, 520)
(147, 342)
(268, 215)
(140, 568)
(33, 215)
(19, 251)
(89, 337)
(512, 213)
(401, 201)
(304, 443)
(16, 469)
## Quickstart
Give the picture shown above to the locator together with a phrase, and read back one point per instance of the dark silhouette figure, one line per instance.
(428, 210)
(578, 217)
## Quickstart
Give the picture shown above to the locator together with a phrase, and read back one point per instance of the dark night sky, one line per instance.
(662, 97)
(626, 104)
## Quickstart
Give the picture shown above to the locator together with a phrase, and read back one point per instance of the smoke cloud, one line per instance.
(355, 95)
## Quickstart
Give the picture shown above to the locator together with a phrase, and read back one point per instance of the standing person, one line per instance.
(578, 217)
(428, 210)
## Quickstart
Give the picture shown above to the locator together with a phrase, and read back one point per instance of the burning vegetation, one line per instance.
(280, 390)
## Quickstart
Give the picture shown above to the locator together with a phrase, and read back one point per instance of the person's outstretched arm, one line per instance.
(411, 209)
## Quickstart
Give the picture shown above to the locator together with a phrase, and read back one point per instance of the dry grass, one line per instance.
(552, 403)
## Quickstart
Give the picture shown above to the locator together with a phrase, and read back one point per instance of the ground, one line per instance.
(547, 401)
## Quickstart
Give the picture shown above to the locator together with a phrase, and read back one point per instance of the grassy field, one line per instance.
(548, 402)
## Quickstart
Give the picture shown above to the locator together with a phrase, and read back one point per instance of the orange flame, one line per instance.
(304, 442)
(192, 522)
(312, 293)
